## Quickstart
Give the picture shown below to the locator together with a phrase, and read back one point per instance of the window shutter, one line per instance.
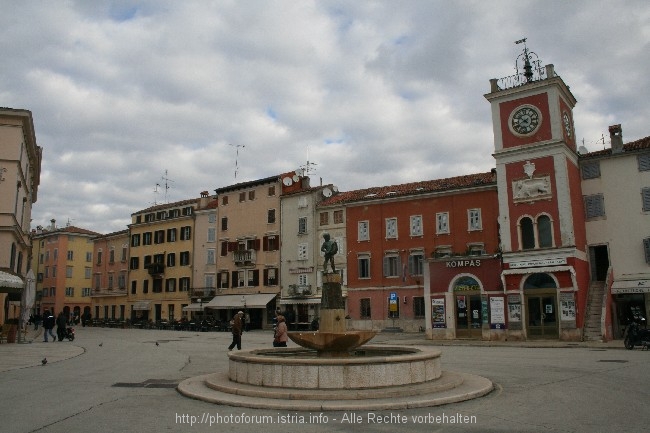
(646, 248)
(645, 194)
(386, 267)
(644, 162)
(232, 246)
(266, 277)
(235, 280)
(265, 244)
(256, 244)
(256, 277)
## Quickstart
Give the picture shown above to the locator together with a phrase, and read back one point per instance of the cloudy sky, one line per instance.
(126, 93)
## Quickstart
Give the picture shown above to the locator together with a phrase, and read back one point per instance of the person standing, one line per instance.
(281, 337)
(237, 327)
(61, 323)
(48, 325)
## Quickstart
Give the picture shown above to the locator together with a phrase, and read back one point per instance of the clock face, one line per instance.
(567, 124)
(525, 120)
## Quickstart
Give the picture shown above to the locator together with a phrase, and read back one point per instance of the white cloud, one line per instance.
(374, 93)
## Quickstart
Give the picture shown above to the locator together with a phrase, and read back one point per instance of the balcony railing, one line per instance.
(155, 268)
(115, 291)
(244, 257)
(203, 292)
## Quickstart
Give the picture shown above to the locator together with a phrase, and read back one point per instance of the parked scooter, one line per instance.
(69, 333)
(636, 333)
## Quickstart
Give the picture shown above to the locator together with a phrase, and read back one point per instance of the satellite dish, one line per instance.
(287, 181)
(327, 192)
(296, 178)
(335, 188)
(298, 172)
(582, 150)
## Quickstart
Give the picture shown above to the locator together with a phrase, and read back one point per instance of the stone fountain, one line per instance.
(333, 370)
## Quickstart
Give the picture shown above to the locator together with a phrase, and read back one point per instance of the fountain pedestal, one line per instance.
(332, 339)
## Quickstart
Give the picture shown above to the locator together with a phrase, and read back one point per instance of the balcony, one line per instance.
(155, 269)
(299, 291)
(244, 257)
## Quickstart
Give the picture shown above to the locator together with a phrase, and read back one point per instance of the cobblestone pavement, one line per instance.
(121, 380)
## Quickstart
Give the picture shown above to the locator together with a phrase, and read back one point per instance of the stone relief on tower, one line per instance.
(532, 188)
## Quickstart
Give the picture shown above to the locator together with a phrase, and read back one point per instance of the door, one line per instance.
(542, 316)
(469, 316)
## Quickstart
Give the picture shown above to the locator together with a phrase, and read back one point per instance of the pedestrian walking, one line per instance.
(61, 323)
(48, 325)
(280, 338)
(237, 327)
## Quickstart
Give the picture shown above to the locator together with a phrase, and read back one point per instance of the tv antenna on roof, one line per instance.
(236, 146)
(167, 185)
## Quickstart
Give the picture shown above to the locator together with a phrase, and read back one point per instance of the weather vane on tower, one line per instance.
(528, 61)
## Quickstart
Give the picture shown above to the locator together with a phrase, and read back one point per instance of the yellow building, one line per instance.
(62, 263)
(110, 276)
(20, 171)
(160, 262)
(248, 258)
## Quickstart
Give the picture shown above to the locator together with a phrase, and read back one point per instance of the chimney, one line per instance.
(53, 226)
(616, 136)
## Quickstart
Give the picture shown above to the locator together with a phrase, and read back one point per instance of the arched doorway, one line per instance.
(468, 306)
(540, 291)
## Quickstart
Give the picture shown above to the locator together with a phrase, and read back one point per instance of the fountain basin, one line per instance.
(330, 342)
(368, 367)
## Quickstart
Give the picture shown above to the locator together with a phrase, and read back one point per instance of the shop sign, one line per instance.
(631, 286)
(305, 270)
(536, 263)
(438, 313)
(463, 263)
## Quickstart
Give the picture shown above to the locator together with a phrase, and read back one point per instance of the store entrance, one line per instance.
(469, 317)
(541, 315)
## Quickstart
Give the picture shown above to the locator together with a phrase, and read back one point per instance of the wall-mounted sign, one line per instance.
(463, 263)
(306, 270)
(537, 263)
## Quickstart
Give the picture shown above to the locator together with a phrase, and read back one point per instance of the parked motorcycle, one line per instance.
(636, 334)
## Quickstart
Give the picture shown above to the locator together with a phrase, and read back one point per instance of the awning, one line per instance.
(195, 307)
(10, 283)
(141, 305)
(240, 301)
(300, 301)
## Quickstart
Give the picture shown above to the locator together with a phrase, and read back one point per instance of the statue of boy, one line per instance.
(330, 248)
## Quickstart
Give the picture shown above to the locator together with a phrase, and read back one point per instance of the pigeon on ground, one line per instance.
(44, 361)
(101, 344)
(157, 344)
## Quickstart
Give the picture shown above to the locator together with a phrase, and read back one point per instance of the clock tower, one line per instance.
(541, 216)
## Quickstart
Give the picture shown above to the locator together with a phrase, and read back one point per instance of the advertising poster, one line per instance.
(438, 313)
(567, 306)
(497, 313)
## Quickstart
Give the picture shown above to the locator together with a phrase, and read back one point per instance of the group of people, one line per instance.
(49, 321)
(280, 336)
